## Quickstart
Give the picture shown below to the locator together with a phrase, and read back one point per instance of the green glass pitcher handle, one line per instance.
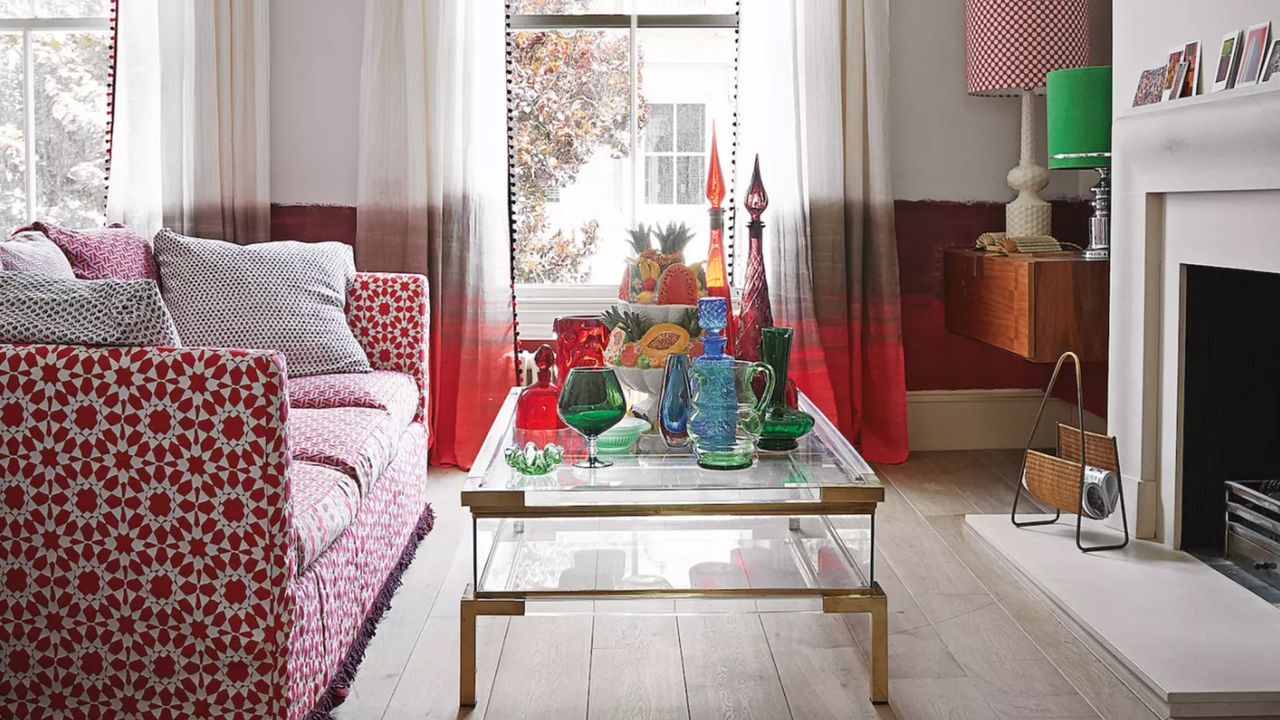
(763, 400)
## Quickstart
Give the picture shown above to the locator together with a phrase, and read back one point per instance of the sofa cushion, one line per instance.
(360, 442)
(395, 392)
(113, 252)
(323, 502)
(30, 251)
(39, 309)
(283, 296)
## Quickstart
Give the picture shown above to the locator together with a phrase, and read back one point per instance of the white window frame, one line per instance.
(675, 153)
(540, 304)
(27, 26)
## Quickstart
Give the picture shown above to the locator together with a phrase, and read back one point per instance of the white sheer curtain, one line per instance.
(190, 139)
(813, 102)
(432, 195)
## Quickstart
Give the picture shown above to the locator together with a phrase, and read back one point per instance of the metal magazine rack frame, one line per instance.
(1058, 481)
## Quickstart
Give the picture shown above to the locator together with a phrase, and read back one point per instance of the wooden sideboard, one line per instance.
(1037, 307)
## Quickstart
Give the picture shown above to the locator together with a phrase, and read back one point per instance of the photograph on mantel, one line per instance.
(1272, 67)
(1150, 87)
(1191, 82)
(1256, 41)
(1228, 61)
(1169, 91)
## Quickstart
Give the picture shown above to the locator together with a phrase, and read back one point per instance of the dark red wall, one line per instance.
(935, 359)
(939, 360)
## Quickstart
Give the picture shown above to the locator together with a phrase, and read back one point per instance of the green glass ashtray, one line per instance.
(529, 460)
(783, 425)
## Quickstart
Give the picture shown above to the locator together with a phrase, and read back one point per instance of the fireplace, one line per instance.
(1231, 422)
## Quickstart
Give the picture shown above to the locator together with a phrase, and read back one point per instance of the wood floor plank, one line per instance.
(728, 670)
(982, 486)
(636, 671)
(931, 492)
(939, 699)
(544, 671)
(429, 688)
(919, 557)
(398, 633)
(823, 673)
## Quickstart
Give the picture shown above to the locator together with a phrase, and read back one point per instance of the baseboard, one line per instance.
(986, 419)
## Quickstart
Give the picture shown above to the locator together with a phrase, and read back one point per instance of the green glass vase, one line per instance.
(783, 425)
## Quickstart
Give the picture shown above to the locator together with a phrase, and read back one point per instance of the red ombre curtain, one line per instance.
(815, 107)
(432, 197)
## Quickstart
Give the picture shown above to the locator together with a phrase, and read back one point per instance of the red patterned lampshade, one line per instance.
(1010, 45)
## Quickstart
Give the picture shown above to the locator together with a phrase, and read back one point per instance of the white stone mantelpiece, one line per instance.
(1196, 182)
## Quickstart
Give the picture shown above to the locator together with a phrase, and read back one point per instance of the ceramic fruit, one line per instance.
(661, 340)
(677, 286)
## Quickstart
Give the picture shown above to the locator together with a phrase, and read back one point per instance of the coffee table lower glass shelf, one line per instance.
(657, 535)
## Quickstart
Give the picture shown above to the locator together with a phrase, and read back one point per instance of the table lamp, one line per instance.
(1010, 45)
(1079, 114)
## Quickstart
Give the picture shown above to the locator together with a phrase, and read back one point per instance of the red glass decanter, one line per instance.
(757, 313)
(536, 406)
(717, 275)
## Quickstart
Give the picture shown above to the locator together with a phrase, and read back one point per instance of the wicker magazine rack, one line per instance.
(1057, 481)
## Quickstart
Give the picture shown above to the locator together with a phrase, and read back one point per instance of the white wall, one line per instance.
(315, 93)
(1145, 31)
(947, 145)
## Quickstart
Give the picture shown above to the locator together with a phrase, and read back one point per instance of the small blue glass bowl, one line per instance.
(618, 439)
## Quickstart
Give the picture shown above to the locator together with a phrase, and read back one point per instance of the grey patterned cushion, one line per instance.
(39, 309)
(31, 251)
(284, 296)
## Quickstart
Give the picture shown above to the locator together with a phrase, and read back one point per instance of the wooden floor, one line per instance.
(968, 638)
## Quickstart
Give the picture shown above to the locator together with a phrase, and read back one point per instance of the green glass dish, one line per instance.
(783, 425)
(531, 461)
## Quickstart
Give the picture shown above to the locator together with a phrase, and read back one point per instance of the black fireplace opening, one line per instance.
(1230, 406)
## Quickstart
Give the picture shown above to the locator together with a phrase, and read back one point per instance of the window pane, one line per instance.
(13, 203)
(691, 180)
(570, 133)
(691, 127)
(658, 129)
(73, 8)
(692, 69)
(658, 182)
(71, 118)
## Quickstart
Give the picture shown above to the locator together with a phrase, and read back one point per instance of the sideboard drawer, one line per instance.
(1037, 307)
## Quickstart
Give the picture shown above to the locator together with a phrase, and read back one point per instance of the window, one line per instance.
(54, 58)
(611, 106)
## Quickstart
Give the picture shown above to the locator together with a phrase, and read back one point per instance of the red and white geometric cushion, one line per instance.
(113, 252)
(323, 503)
(360, 442)
(381, 389)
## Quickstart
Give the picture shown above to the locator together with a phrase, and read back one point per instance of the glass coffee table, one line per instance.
(793, 533)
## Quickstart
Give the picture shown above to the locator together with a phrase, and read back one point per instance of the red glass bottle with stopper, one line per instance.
(536, 406)
(717, 274)
(757, 313)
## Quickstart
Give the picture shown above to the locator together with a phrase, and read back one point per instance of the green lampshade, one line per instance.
(1079, 113)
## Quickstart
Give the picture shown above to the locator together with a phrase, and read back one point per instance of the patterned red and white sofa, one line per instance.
(186, 534)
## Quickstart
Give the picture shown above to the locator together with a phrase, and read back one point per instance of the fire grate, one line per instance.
(1253, 528)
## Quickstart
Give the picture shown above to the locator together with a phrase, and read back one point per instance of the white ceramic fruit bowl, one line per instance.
(643, 387)
(657, 313)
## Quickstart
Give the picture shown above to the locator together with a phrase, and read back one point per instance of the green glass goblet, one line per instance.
(591, 401)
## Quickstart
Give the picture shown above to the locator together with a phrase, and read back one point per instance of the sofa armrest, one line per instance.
(390, 316)
(143, 531)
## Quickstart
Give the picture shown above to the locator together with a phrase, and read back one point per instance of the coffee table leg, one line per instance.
(877, 606)
(469, 609)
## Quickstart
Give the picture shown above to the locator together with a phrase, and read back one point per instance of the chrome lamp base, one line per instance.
(1100, 223)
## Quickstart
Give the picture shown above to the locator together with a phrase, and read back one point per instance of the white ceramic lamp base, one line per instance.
(1028, 214)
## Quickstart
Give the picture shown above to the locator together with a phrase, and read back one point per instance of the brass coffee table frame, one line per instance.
(510, 504)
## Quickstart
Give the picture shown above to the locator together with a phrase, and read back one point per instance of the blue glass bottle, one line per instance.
(714, 419)
(673, 408)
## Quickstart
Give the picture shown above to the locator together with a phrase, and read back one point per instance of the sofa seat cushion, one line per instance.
(395, 392)
(323, 502)
(360, 442)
